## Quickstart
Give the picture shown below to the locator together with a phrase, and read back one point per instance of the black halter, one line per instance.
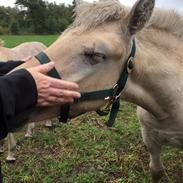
(112, 95)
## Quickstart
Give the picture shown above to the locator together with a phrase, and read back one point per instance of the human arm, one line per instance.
(6, 67)
(17, 93)
(23, 89)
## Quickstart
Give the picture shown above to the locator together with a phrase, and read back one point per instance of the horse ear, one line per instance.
(140, 15)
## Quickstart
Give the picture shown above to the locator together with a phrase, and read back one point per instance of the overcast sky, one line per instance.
(173, 4)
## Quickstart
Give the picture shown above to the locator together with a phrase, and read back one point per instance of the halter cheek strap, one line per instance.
(112, 95)
(64, 110)
(44, 59)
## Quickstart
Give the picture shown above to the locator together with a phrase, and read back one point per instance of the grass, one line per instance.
(85, 151)
(14, 40)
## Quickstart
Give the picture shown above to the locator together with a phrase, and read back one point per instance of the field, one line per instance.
(84, 150)
(12, 41)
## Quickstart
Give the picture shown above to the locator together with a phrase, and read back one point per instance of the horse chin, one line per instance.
(84, 107)
(41, 114)
(76, 111)
(45, 113)
(75, 114)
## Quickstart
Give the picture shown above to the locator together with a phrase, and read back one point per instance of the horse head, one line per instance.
(93, 50)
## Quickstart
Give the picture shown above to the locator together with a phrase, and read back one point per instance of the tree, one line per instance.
(6, 15)
(52, 26)
(36, 13)
(14, 28)
(35, 16)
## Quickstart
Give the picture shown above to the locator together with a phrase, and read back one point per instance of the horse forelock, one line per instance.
(90, 15)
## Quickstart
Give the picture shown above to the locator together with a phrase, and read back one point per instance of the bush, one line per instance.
(4, 30)
(63, 23)
(14, 28)
(51, 25)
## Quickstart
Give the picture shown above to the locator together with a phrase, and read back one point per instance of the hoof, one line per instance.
(49, 124)
(10, 161)
(49, 127)
(157, 175)
(1, 150)
(27, 135)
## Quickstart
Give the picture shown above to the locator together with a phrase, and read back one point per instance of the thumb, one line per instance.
(45, 68)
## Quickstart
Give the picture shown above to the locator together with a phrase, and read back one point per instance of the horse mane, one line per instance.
(167, 20)
(90, 15)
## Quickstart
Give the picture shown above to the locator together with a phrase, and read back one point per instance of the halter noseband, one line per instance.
(112, 95)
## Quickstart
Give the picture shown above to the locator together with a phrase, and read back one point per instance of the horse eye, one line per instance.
(100, 55)
(89, 54)
(95, 57)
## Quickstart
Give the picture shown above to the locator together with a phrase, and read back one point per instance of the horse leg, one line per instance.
(152, 142)
(154, 148)
(30, 128)
(48, 124)
(1, 146)
(11, 148)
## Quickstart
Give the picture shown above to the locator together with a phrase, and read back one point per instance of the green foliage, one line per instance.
(12, 40)
(14, 28)
(7, 14)
(4, 30)
(63, 23)
(51, 25)
(35, 16)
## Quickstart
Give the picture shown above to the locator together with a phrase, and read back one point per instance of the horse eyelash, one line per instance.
(93, 54)
(101, 55)
(89, 54)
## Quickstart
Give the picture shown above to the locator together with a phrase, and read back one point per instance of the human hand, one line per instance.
(52, 91)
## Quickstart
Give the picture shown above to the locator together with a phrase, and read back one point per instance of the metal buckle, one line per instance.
(118, 96)
(115, 97)
(115, 88)
(130, 64)
(107, 98)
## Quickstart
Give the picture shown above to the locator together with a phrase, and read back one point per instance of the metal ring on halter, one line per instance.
(130, 64)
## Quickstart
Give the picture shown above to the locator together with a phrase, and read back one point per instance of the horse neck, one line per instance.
(152, 84)
(7, 54)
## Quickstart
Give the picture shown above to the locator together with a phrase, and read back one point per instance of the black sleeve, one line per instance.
(18, 92)
(6, 67)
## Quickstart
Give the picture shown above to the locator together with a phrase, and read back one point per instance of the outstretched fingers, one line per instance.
(60, 93)
(52, 91)
(61, 84)
(57, 92)
(52, 101)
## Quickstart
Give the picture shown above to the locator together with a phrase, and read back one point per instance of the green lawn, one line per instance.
(84, 150)
(12, 41)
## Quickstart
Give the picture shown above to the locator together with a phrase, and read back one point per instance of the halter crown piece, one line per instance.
(112, 95)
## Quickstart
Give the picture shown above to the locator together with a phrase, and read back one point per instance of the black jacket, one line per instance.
(18, 92)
